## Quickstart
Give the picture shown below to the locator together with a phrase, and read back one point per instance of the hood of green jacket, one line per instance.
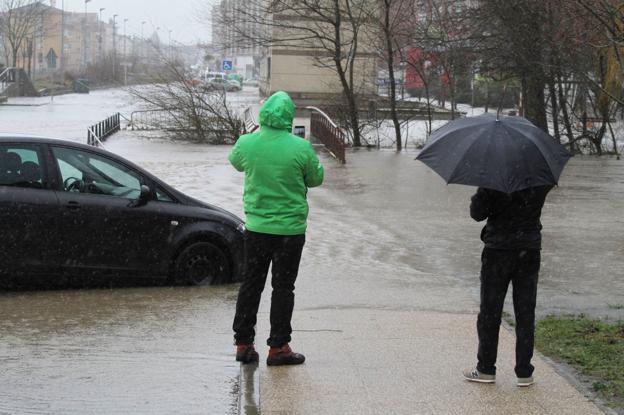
(278, 111)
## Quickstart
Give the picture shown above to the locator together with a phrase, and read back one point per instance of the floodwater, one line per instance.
(384, 233)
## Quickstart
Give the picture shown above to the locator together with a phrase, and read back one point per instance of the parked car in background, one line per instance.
(74, 210)
(236, 77)
(223, 85)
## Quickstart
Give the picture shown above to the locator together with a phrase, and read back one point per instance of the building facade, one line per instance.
(305, 66)
(236, 28)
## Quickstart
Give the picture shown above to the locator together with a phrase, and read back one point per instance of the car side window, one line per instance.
(20, 166)
(161, 196)
(86, 172)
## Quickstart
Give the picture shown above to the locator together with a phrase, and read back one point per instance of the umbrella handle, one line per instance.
(500, 104)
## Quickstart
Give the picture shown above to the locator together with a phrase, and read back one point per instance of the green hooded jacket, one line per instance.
(279, 168)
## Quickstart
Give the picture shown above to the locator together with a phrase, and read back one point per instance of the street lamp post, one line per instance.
(100, 36)
(170, 56)
(124, 45)
(114, 47)
(62, 38)
(84, 55)
(142, 42)
(125, 59)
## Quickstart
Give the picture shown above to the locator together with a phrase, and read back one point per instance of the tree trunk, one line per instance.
(390, 62)
(535, 106)
(566, 117)
(15, 52)
(347, 88)
(554, 105)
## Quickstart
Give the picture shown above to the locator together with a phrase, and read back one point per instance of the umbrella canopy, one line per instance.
(501, 153)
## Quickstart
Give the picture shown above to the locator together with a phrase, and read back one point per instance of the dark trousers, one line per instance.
(498, 269)
(284, 254)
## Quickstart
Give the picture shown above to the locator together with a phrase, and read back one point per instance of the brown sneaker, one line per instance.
(246, 353)
(279, 356)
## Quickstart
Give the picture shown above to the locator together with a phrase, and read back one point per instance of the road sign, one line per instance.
(227, 65)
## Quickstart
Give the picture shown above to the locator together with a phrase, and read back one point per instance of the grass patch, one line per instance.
(595, 348)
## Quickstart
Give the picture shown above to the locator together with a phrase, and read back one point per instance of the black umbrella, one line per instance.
(496, 152)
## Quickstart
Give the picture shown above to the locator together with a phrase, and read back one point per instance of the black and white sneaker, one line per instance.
(473, 375)
(524, 382)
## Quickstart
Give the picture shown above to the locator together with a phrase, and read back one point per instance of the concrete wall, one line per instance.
(305, 75)
(302, 66)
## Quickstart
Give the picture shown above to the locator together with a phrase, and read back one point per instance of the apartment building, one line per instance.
(60, 41)
(236, 26)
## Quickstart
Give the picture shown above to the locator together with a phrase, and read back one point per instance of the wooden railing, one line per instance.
(328, 133)
(98, 133)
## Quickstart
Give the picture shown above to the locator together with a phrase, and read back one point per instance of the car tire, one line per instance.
(202, 263)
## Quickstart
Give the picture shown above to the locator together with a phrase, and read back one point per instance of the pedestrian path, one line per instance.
(363, 361)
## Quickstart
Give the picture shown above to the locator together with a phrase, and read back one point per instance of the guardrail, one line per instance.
(7, 76)
(328, 133)
(250, 122)
(98, 133)
(154, 119)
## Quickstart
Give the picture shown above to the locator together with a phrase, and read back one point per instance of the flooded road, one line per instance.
(125, 351)
(384, 233)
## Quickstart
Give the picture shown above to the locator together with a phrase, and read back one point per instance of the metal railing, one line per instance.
(98, 133)
(7, 77)
(328, 133)
(154, 119)
(250, 121)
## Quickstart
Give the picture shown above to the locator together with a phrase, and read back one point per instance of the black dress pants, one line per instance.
(283, 253)
(498, 269)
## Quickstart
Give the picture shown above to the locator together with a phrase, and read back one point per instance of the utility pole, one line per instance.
(62, 39)
(84, 34)
(124, 46)
(142, 43)
(100, 36)
(170, 56)
(114, 48)
(125, 59)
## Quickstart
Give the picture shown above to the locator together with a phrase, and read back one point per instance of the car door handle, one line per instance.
(73, 205)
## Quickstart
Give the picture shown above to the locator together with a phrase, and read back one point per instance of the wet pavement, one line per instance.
(386, 237)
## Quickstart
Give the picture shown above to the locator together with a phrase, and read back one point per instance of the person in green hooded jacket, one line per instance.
(279, 168)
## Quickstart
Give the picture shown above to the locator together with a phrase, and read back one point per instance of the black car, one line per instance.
(68, 209)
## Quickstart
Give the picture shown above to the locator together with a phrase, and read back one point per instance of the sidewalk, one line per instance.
(363, 361)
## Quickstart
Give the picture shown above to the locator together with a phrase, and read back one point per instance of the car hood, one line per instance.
(229, 215)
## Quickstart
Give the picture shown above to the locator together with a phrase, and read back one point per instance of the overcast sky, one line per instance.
(180, 16)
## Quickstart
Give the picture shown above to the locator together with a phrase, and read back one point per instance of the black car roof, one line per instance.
(33, 139)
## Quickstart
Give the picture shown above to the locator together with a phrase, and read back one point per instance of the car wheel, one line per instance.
(202, 263)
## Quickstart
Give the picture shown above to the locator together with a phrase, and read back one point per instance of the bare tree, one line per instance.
(329, 31)
(513, 45)
(18, 22)
(392, 23)
(188, 109)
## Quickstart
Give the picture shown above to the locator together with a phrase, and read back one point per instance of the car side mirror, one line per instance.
(144, 197)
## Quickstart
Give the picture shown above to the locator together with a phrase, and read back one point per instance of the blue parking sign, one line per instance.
(227, 65)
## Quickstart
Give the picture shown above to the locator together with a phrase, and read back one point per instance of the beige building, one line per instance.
(305, 68)
(60, 41)
(235, 27)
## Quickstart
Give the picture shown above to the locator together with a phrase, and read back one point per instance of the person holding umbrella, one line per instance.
(279, 168)
(515, 165)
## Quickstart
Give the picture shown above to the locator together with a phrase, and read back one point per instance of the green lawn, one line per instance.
(595, 348)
